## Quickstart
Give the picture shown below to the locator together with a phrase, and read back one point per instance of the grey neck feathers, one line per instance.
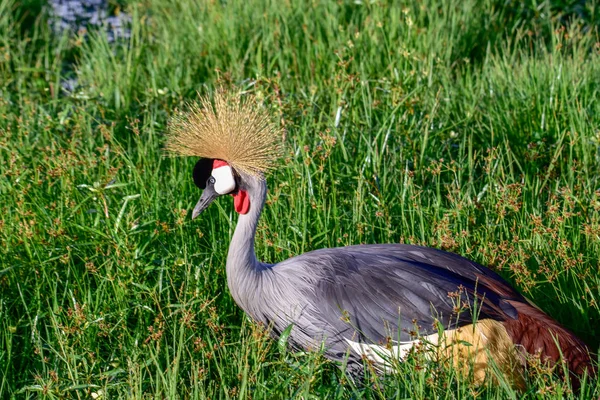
(243, 270)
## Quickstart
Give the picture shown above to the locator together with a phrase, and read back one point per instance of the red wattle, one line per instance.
(241, 201)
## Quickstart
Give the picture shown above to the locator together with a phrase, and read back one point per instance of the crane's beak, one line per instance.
(208, 196)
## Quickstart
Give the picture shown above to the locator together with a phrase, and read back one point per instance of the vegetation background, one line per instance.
(467, 125)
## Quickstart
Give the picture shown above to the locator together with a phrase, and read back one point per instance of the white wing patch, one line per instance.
(382, 356)
(224, 180)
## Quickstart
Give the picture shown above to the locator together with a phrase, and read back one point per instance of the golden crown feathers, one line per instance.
(232, 127)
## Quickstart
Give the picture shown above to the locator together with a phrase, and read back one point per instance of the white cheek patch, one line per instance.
(224, 180)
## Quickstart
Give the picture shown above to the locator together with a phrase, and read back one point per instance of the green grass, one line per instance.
(467, 125)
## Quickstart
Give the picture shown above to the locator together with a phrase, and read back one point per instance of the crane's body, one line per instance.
(379, 301)
(373, 302)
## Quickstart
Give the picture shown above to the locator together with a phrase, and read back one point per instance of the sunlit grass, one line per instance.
(471, 126)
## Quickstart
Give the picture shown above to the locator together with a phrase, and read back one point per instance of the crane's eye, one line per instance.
(212, 180)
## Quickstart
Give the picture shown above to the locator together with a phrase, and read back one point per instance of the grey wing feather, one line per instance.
(374, 293)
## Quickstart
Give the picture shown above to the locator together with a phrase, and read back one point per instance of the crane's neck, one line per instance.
(243, 269)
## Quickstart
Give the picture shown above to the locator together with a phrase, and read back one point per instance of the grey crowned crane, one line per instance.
(360, 302)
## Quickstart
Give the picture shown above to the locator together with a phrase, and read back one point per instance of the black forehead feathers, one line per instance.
(202, 171)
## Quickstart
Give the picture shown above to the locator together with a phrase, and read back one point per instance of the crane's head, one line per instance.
(236, 140)
(217, 178)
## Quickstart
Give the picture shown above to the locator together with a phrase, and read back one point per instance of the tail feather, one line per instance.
(538, 334)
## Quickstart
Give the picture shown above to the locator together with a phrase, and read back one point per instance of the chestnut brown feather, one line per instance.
(538, 333)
